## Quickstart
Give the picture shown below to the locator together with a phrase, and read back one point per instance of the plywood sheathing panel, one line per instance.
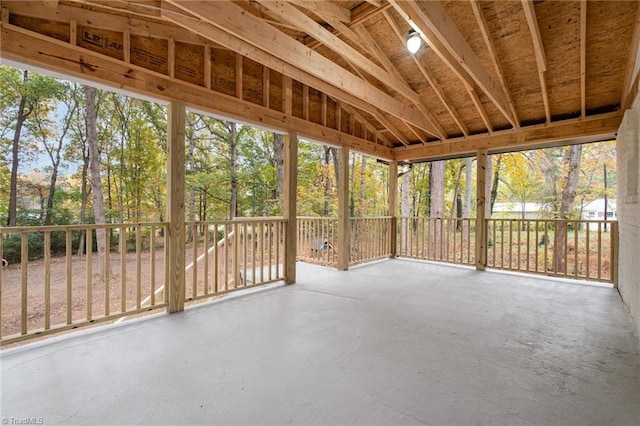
(57, 30)
(315, 106)
(609, 32)
(190, 63)
(462, 14)
(150, 53)
(297, 99)
(223, 71)
(514, 46)
(102, 41)
(559, 23)
(275, 91)
(252, 78)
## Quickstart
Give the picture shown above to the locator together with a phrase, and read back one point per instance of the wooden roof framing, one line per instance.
(491, 74)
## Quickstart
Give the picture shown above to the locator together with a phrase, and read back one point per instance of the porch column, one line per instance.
(393, 208)
(344, 228)
(481, 209)
(290, 205)
(175, 240)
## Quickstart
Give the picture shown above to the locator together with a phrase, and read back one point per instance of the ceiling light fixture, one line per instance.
(413, 42)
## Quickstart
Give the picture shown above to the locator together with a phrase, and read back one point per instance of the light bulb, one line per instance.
(413, 42)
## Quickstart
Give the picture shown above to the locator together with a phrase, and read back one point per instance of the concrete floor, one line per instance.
(395, 342)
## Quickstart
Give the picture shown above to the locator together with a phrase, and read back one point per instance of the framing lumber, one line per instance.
(43, 52)
(225, 22)
(326, 9)
(344, 227)
(488, 41)
(481, 210)
(175, 206)
(583, 58)
(590, 129)
(541, 59)
(289, 205)
(431, 21)
(393, 207)
(632, 71)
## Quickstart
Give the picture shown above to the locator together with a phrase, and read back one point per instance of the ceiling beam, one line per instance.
(567, 132)
(633, 65)
(583, 58)
(43, 52)
(428, 75)
(488, 41)
(326, 8)
(235, 23)
(295, 17)
(434, 25)
(541, 59)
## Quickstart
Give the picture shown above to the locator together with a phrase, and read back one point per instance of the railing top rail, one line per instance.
(76, 227)
(493, 219)
(318, 217)
(370, 217)
(237, 220)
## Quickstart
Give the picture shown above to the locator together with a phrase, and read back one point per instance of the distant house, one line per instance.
(515, 211)
(595, 211)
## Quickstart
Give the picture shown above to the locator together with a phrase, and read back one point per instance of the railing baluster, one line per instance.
(47, 280)
(69, 275)
(24, 256)
(152, 256)
(588, 260)
(205, 273)
(89, 262)
(138, 266)
(599, 250)
(194, 260)
(123, 269)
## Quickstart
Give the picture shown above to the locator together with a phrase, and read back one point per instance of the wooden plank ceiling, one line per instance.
(500, 75)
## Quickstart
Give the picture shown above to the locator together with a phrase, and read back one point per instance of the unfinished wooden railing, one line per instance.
(47, 288)
(226, 256)
(370, 239)
(317, 240)
(584, 249)
(445, 240)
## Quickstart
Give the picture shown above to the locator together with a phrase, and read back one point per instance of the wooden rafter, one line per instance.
(591, 128)
(325, 8)
(294, 16)
(633, 64)
(45, 52)
(428, 75)
(583, 58)
(431, 21)
(488, 41)
(370, 127)
(538, 48)
(227, 23)
(392, 129)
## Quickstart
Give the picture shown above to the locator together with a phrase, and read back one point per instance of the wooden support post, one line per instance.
(290, 205)
(393, 208)
(344, 249)
(614, 253)
(481, 201)
(175, 279)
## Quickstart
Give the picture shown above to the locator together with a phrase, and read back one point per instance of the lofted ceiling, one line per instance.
(496, 75)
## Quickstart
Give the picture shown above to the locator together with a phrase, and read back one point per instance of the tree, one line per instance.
(96, 179)
(572, 158)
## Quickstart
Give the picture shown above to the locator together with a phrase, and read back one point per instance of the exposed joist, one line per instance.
(589, 129)
(541, 59)
(294, 16)
(368, 126)
(326, 8)
(426, 73)
(392, 129)
(583, 58)
(43, 52)
(225, 23)
(488, 41)
(431, 21)
(633, 66)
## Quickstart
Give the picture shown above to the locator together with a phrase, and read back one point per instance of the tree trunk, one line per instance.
(436, 206)
(327, 182)
(15, 150)
(83, 200)
(234, 170)
(405, 211)
(573, 157)
(192, 191)
(466, 206)
(361, 197)
(494, 183)
(278, 153)
(96, 182)
(456, 205)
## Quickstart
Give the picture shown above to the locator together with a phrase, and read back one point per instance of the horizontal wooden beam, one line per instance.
(234, 21)
(591, 129)
(46, 53)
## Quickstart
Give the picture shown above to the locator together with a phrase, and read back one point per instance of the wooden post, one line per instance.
(344, 249)
(393, 208)
(175, 279)
(290, 205)
(614, 253)
(481, 224)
